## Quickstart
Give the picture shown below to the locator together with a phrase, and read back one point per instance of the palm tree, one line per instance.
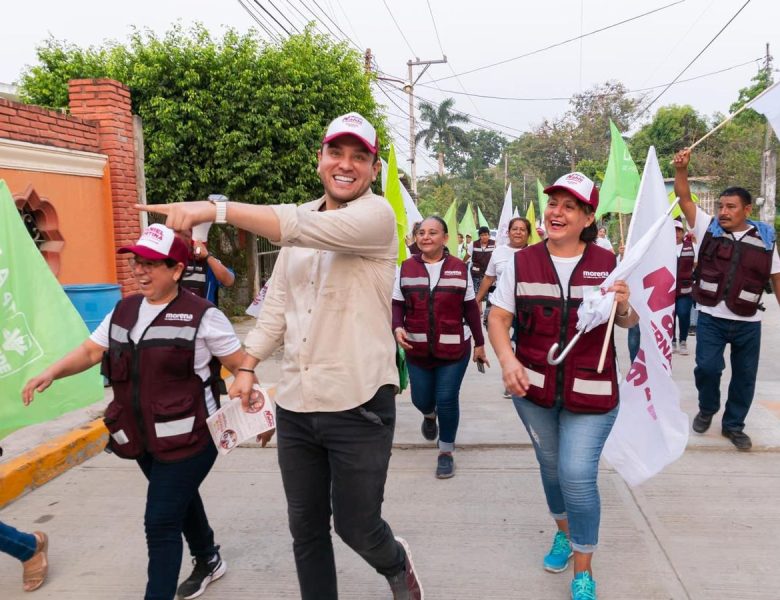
(441, 135)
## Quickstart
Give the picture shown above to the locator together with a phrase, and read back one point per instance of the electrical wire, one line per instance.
(272, 36)
(695, 58)
(336, 25)
(265, 10)
(284, 16)
(564, 42)
(398, 27)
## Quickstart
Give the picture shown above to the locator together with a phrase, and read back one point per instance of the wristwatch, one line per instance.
(220, 202)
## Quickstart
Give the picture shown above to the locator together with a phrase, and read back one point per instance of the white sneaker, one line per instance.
(684, 348)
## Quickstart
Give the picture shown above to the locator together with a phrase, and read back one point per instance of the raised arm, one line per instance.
(681, 187)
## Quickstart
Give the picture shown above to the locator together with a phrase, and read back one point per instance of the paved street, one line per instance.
(707, 528)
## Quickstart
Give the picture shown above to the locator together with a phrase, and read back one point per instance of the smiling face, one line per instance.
(431, 239)
(565, 218)
(733, 213)
(158, 282)
(346, 169)
(518, 234)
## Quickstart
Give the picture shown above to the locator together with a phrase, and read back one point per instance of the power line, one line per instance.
(635, 91)
(284, 16)
(265, 10)
(346, 18)
(695, 58)
(336, 25)
(272, 36)
(398, 27)
(567, 41)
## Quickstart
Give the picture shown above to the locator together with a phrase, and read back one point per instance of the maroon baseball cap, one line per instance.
(159, 242)
(579, 186)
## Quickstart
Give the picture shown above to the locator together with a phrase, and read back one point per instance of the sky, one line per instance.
(645, 52)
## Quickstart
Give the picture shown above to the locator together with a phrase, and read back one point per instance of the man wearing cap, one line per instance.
(162, 350)
(737, 258)
(329, 304)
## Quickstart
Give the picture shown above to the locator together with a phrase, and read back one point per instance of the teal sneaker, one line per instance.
(557, 559)
(583, 587)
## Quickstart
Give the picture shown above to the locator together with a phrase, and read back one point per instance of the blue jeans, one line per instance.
(568, 447)
(634, 339)
(336, 463)
(173, 507)
(682, 316)
(17, 543)
(712, 335)
(439, 389)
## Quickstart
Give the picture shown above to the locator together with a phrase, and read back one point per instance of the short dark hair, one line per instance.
(524, 220)
(484, 229)
(591, 232)
(439, 220)
(170, 263)
(742, 193)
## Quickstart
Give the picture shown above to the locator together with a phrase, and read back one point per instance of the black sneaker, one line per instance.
(739, 438)
(429, 428)
(445, 466)
(701, 422)
(203, 574)
(406, 585)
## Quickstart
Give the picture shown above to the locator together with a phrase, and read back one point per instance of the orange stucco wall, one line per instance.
(84, 213)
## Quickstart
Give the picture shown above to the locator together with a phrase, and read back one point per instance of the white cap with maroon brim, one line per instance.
(355, 125)
(159, 242)
(579, 186)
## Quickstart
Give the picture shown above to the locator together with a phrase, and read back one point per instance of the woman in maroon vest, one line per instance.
(161, 350)
(433, 296)
(567, 409)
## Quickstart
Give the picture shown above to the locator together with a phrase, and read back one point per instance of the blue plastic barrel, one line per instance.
(93, 301)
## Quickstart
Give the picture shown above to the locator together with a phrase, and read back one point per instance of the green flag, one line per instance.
(451, 219)
(396, 200)
(621, 180)
(38, 325)
(677, 211)
(467, 224)
(481, 218)
(542, 198)
(533, 235)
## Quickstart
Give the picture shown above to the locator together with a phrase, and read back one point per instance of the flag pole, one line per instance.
(607, 338)
(729, 118)
(620, 221)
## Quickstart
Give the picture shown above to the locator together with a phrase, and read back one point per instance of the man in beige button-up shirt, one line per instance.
(329, 303)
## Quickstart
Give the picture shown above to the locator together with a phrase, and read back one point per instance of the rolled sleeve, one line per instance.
(365, 227)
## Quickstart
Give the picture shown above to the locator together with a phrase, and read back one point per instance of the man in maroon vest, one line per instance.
(686, 259)
(737, 258)
(480, 255)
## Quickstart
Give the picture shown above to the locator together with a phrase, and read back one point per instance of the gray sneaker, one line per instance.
(445, 466)
(684, 348)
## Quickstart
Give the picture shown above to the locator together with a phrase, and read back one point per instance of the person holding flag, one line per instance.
(568, 409)
(737, 258)
(432, 298)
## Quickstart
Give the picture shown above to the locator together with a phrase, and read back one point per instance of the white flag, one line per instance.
(412, 213)
(502, 233)
(516, 213)
(768, 104)
(650, 431)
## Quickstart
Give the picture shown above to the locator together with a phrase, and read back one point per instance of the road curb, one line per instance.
(45, 462)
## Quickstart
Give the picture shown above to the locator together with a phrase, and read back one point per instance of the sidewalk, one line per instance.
(704, 529)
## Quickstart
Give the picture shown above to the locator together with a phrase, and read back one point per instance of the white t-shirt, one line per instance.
(215, 337)
(504, 296)
(434, 273)
(720, 310)
(501, 255)
(605, 243)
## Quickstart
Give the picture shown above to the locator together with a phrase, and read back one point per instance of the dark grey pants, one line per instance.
(336, 463)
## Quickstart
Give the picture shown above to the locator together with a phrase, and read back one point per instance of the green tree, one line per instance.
(442, 135)
(483, 149)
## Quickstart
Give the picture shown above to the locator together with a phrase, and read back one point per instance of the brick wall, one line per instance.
(106, 104)
(25, 123)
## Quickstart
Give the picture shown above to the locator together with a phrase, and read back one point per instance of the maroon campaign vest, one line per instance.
(734, 271)
(546, 317)
(480, 257)
(159, 402)
(685, 267)
(194, 277)
(433, 319)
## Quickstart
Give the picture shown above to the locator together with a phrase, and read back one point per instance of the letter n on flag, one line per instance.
(651, 431)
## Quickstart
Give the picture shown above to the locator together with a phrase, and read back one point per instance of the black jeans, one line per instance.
(173, 507)
(338, 461)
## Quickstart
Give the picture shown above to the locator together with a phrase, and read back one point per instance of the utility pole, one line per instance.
(367, 57)
(506, 171)
(409, 89)
(768, 161)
